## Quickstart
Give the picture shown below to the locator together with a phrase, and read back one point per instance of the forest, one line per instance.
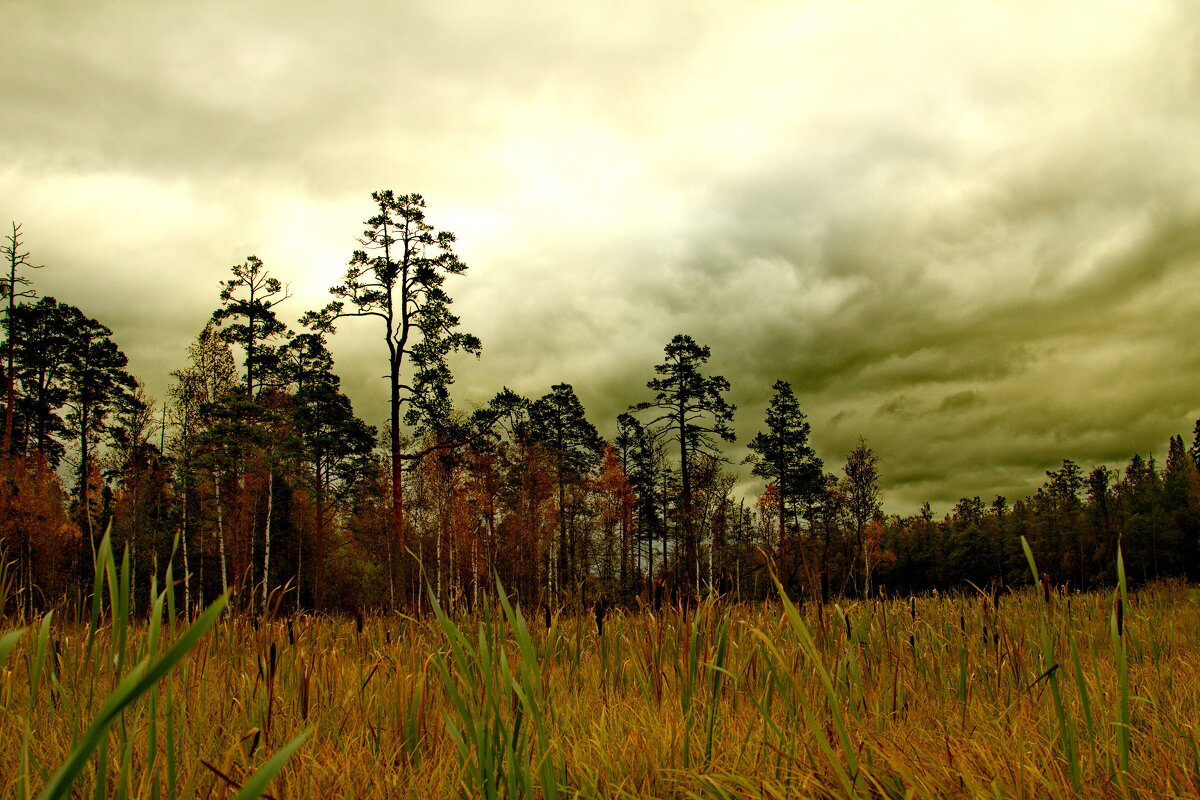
(256, 476)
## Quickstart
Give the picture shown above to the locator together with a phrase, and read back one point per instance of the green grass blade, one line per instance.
(39, 659)
(138, 681)
(257, 784)
(7, 642)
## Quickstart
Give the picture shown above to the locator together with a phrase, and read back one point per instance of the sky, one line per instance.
(966, 232)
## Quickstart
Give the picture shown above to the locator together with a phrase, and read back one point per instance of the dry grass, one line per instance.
(946, 697)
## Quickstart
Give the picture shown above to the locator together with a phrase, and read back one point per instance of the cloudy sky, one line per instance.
(969, 232)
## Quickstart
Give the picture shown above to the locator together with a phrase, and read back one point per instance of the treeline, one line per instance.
(255, 475)
(1074, 523)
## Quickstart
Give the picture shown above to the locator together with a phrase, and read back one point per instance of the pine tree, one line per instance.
(398, 279)
(557, 421)
(333, 447)
(693, 409)
(860, 488)
(250, 298)
(782, 454)
(248, 319)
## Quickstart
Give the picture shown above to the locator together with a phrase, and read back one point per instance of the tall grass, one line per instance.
(1029, 694)
(139, 663)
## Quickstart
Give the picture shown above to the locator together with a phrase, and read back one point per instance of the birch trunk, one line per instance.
(267, 536)
(221, 537)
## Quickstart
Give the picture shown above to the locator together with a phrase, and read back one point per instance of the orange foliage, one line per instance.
(35, 531)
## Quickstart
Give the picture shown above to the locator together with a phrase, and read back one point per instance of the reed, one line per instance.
(928, 697)
(140, 663)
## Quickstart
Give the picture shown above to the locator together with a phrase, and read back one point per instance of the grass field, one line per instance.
(932, 697)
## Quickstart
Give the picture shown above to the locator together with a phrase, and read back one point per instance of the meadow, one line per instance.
(1033, 693)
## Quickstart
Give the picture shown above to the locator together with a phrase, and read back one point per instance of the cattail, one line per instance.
(983, 601)
(848, 636)
(358, 620)
(546, 611)
(291, 633)
(1046, 586)
(1120, 617)
(912, 608)
(601, 608)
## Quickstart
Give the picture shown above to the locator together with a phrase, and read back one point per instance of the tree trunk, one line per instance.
(84, 499)
(221, 534)
(10, 381)
(187, 573)
(267, 536)
(565, 554)
(318, 567)
(396, 545)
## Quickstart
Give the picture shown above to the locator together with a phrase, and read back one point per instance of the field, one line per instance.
(1037, 695)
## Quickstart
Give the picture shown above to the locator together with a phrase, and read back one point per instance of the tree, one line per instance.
(1181, 502)
(557, 421)
(333, 447)
(1194, 450)
(97, 382)
(696, 414)
(197, 390)
(250, 298)
(860, 489)
(782, 454)
(616, 501)
(40, 334)
(398, 279)
(134, 466)
(14, 286)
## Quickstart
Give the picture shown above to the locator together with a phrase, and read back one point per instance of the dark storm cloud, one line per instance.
(967, 232)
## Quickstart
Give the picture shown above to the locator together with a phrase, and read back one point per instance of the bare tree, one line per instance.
(14, 286)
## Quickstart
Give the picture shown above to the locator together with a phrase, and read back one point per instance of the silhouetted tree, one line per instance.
(557, 422)
(40, 334)
(333, 447)
(96, 381)
(250, 298)
(693, 408)
(782, 454)
(398, 279)
(14, 286)
(860, 488)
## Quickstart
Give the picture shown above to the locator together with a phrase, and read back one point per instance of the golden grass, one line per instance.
(954, 701)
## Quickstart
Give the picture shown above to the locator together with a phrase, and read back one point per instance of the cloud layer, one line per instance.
(967, 232)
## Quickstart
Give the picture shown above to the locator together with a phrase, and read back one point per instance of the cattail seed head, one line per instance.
(600, 610)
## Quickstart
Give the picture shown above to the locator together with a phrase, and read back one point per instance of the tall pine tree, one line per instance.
(696, 414)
